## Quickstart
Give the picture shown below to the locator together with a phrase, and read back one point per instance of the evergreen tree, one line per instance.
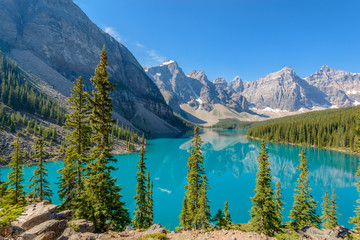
(41, 189)
(356, 219)
(326, 208)
(227, 216)
(185, 220)
(141, 209)
(279, 201)
(15, 192)
(196, 214)
(219, 219)
(263, 213)
(304, 207)
(202, 215)
(76, 155)
(101, 199)
(333, 212)
(149, 200)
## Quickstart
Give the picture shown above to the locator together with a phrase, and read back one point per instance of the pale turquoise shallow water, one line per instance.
(230, 161)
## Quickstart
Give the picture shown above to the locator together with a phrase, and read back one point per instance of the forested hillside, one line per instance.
(333, 128)
(26, 109)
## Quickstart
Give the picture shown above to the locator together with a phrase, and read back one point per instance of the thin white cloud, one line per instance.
(140, 45)
(156, 56)
(112, 32)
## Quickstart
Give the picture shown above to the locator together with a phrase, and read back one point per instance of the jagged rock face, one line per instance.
(341, 88)
(57, 42)
(220, 83)
(283, 90)
(193, 88)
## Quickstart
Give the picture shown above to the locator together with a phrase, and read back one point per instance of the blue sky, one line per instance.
(248, 38)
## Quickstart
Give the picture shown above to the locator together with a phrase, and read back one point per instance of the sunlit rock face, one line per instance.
(57, 42)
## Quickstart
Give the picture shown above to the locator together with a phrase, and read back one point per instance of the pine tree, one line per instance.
(333, 212)
(356, 219)
(304, 207)
(202, 215)
(263, 213)
(15, 193)
(326, 208)
(185, 220)
(101, 199)
(279, 201)
(219, 219)
(149, 201)
(40, 185)
(76, 155)
(141, 210)
(196, 213)
(227, 217)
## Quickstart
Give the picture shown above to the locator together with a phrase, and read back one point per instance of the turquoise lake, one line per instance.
(231, 162)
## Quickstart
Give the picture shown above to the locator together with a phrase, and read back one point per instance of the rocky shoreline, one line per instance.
(42, 221)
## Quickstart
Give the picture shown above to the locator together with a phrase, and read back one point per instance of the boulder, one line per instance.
(56, 226)
(82, 226)
(156, 228)
(46, 236)
(66, 234)
(340, 232)
(312, 233)
(66, 215)
(129, 228)
(11, 231)
(86, 236)
(35, 214)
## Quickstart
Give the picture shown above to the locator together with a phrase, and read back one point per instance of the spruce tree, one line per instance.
(15, 193)
(279, 201)
(149, 200)
(304, 207)
(326, 208)
(185, 220)
(39, 184)
(78, 138)
(101, 199)
(263, 212)
(227, 217)
(141, 210)
(333, 212)
(196, 214)
(219, 219)
(356, 219)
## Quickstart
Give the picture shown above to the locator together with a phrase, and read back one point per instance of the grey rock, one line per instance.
(129, 228)
(12, 231)
(66, 234)
(66, 214)
(324, 234)
(82, 226)
(155, 228)
(56, 226)
(35, 214)
(57, 42)
(193, 88)
(46, 236)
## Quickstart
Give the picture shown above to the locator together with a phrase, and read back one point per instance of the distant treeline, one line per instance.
(334, 128)
(233, 123)
(18, 94)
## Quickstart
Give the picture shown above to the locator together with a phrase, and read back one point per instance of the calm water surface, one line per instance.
(230, 162)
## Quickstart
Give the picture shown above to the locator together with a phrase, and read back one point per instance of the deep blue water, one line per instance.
(230, 162)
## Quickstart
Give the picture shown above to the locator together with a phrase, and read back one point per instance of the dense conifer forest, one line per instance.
(333, 128)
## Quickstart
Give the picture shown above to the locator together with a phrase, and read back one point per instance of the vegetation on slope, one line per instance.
(233, 123)
(334, 128)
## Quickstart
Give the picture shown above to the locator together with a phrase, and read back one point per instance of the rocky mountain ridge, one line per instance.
(57, 42)
(281, 91)
(193, 88)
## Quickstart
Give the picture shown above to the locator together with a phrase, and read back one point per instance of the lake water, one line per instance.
(231, 162)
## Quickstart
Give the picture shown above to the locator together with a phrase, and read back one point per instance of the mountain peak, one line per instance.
(237, 79)
(219, 80)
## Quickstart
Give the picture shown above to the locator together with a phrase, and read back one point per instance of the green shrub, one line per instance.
(155, 236)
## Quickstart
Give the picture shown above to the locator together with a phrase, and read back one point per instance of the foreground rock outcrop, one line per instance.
(40, 221)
